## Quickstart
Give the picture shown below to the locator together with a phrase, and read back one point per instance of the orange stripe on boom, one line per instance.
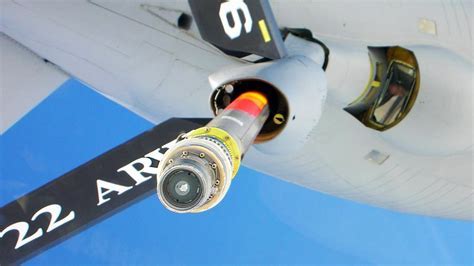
(249, 102)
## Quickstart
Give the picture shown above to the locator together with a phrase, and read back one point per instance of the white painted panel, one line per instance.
(25, 80)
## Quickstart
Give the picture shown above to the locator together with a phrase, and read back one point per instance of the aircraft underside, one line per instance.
(383, 117)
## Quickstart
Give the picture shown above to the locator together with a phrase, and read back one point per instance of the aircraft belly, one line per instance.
(445, 24)
(127, 68)
(335, 162)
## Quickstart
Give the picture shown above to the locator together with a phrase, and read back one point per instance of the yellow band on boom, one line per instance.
(225, 138)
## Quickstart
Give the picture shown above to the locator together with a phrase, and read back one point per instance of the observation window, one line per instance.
(391, 91)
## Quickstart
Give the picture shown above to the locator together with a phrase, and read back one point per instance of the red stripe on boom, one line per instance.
(245, 105)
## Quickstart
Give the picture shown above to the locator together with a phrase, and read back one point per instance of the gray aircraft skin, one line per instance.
(135, 53)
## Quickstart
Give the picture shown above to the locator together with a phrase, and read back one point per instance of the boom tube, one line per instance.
(196, 173)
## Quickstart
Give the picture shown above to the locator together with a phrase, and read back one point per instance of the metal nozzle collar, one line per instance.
(202, 158)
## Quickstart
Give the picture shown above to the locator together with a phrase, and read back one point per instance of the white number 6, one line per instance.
(232, 7)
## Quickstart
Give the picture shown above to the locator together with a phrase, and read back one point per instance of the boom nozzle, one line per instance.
(196, 173)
